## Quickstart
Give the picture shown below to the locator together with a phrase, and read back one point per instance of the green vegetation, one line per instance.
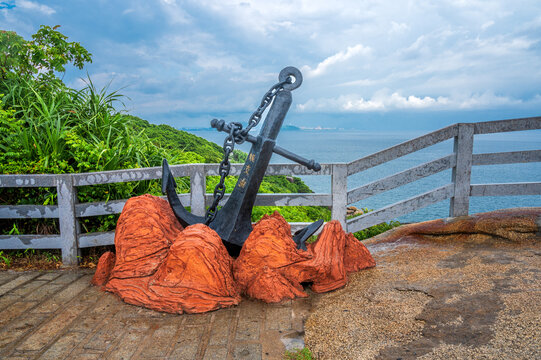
(300, 354)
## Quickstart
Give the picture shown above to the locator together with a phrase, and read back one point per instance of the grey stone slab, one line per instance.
(103, 339)
(197, 319)
(187, 343)
(160, 342)
(132, 338)
(49, 276)
(17, 281)
(14, 310)
(247, 352)
(16, 330)
(6, 276)
(221, 327)
(7, 300)
(51, 328)
(67, 277)
(28, 288)
(278, 318)
(61, 298)
(43, 292)
(61, 348)
(215, 353)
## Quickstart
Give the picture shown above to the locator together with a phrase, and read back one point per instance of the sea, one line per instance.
(330, 145)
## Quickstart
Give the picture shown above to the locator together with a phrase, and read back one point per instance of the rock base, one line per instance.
(161, 266)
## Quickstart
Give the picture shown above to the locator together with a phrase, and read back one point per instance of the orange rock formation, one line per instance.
(164, 267)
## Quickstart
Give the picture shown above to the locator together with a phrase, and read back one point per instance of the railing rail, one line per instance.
(459, 190)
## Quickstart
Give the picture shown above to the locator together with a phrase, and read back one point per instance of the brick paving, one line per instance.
(59, 315)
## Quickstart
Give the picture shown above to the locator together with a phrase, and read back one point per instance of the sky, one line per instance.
(372, 65)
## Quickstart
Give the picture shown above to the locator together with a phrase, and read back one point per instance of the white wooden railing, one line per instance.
(459, 189)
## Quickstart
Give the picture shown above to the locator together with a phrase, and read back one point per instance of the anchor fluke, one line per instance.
(302, 235)
(169, 188)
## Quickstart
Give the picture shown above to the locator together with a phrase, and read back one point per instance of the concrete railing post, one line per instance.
(461, 175)
(339, 190)
(67, 197)
(198, 189)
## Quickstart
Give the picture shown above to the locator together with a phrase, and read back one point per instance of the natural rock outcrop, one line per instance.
(517, 225)
(164, 267)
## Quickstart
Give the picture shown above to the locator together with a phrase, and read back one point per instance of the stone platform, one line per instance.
(59, 315)
(447, 289)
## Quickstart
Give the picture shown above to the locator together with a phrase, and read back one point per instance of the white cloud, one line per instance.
(33, 6)
(383, 101)
(397, 28)
(337, 58)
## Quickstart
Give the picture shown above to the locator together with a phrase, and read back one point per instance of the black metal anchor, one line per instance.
(233, 222)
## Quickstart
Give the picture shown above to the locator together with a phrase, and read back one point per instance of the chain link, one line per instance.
(238, 135)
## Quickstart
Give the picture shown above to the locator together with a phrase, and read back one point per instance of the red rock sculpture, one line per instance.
(270, 255)
(164, 267)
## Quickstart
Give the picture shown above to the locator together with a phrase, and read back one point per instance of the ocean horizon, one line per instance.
(339, 145)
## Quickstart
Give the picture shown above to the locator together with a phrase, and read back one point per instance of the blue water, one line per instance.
(327, 146)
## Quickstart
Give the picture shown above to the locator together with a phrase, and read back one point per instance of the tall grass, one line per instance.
(59, 124)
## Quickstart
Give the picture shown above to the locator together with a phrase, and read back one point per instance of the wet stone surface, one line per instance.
(59, 315)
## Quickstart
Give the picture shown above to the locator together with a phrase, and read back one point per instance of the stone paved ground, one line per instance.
(58, 315)
(454, 297)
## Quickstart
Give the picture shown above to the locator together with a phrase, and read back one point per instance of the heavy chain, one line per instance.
(238, 135)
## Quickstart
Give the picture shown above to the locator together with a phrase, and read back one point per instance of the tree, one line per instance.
(48, 52)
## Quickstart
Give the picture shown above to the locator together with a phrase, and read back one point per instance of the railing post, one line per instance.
(198, 188)
(67, 196)
(461, 176)
(339, 186)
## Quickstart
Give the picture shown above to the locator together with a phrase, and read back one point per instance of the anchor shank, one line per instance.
(233, 222)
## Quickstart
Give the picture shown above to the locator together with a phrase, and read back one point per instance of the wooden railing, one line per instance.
(459, 189)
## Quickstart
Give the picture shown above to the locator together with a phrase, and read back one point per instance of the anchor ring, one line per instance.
(294, 73)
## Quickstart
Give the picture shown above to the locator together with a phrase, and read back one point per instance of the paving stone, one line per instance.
(67, 278)
(6, 276)
(249, 321)
(19, 280)
(247, 352)
(214, 353)
(16, 330)
(278, 318)
(49, 275)
(87, 356)
(48, 331)
(63, 296)
(187, 342)
(160, 342)
(43, 292)
(63, 346)
(197, 319)
(14, 310)
(77, 321)
(7, 300)
(105, 336)
(27, 288)
(26, 356)
(219, 334)
(133, 337)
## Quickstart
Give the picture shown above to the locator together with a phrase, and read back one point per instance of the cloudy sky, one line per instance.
(366, 64)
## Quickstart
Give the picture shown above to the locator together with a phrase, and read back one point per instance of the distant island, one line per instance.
(284, 128)
(287, 127)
